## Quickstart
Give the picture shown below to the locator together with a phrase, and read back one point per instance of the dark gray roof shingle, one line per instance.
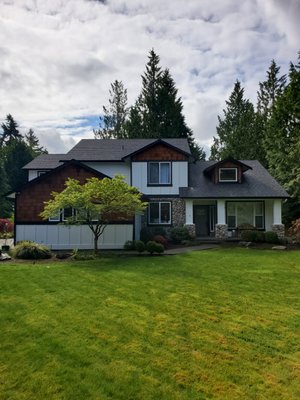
(117, 149)
(45, 161)
(257, 183)
(101, 150)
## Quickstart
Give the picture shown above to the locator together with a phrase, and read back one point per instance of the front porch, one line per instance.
(223, 219)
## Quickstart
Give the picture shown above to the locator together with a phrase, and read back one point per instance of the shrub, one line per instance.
(129, 245)
(153, 247)
(179, 234)
(158, 230)
(145, 234)
(246, 226)
(31, 251)
(253, 236)
(160, 239)
(140, 246)
(6, 228)
(271, 237)
(294, 230)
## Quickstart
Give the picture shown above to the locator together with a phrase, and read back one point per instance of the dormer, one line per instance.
(227, 171)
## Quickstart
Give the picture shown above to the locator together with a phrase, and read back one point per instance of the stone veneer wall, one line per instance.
(221, 231)
(279, 230)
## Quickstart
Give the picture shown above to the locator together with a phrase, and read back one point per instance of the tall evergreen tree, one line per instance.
(158, 112)
(10, 131)
(239, 134)
(270, 90)
(33, 143)
(112, 123)
(283, 137)
(5, 205)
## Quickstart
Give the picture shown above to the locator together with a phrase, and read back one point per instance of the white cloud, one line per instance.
(59, 57)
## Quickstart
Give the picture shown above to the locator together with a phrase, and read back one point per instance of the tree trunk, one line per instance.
(96, 244)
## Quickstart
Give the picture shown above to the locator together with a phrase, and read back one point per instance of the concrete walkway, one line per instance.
(181, 250)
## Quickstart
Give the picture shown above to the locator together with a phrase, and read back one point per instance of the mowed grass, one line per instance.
(218, 324)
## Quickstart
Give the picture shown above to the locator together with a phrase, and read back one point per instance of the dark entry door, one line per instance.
(201, 220)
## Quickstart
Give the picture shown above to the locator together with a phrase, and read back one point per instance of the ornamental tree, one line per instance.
(96, 203)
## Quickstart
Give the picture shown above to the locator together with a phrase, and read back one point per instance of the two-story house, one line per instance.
(210, 198)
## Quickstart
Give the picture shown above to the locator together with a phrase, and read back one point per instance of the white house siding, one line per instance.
(61, 237)
(32, 174)
(112, 168)
(179, 178)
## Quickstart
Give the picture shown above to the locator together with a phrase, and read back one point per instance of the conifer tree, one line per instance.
(10, 131)
(283, 138)
(112, 123)
(239, 134)
(33, 143)
(158, 112)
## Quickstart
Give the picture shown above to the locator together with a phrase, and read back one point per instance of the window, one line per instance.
(228, 175)
(39, 173)
(55, 218)
(245, 212)
(159, 213)
(68, 213)
(159, 173)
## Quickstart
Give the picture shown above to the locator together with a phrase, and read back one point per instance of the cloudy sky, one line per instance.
(58, 57)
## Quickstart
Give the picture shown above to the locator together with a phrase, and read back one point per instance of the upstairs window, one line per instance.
(227, 174)
(159, 173)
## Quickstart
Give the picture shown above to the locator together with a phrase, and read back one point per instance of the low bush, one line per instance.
(271, 237)
(31, 251)
(179, 234)
(153, 247)
(145, 234)
(140, 246)
(129, 245)
(253, 236)
(160, 239)
(294, 231)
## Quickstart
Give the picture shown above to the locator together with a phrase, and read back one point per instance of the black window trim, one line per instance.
(148, 173)
(160, 223)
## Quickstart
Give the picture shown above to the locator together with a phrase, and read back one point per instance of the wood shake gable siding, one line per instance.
(160, 152)
(30, 201)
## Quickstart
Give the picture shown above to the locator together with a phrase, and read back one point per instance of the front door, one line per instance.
(201, 220)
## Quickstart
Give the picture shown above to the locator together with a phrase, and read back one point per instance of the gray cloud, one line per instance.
(59, 57)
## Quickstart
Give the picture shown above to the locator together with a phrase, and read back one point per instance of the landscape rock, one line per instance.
(279, 248)
(4, 257)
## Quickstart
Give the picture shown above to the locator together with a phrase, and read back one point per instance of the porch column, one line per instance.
(189, 218)
(221, 226)
(277, 212)
(277, 225)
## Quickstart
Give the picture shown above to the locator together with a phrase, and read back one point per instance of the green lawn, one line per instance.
(218, 324)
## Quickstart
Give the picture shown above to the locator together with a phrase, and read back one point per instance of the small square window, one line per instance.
(228, 174)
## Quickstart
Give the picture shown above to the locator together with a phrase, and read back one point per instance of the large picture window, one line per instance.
(159, 173)
(245, 212)
(159, 213)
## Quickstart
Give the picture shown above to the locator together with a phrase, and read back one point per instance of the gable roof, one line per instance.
(257, 183)
(215, 164)
(104, 150)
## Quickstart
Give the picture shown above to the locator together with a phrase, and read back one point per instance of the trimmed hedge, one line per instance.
(153, 247)
(179, 234)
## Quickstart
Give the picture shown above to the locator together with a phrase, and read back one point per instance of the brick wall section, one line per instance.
(158, 153)
(228, 164)
(30, 202)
